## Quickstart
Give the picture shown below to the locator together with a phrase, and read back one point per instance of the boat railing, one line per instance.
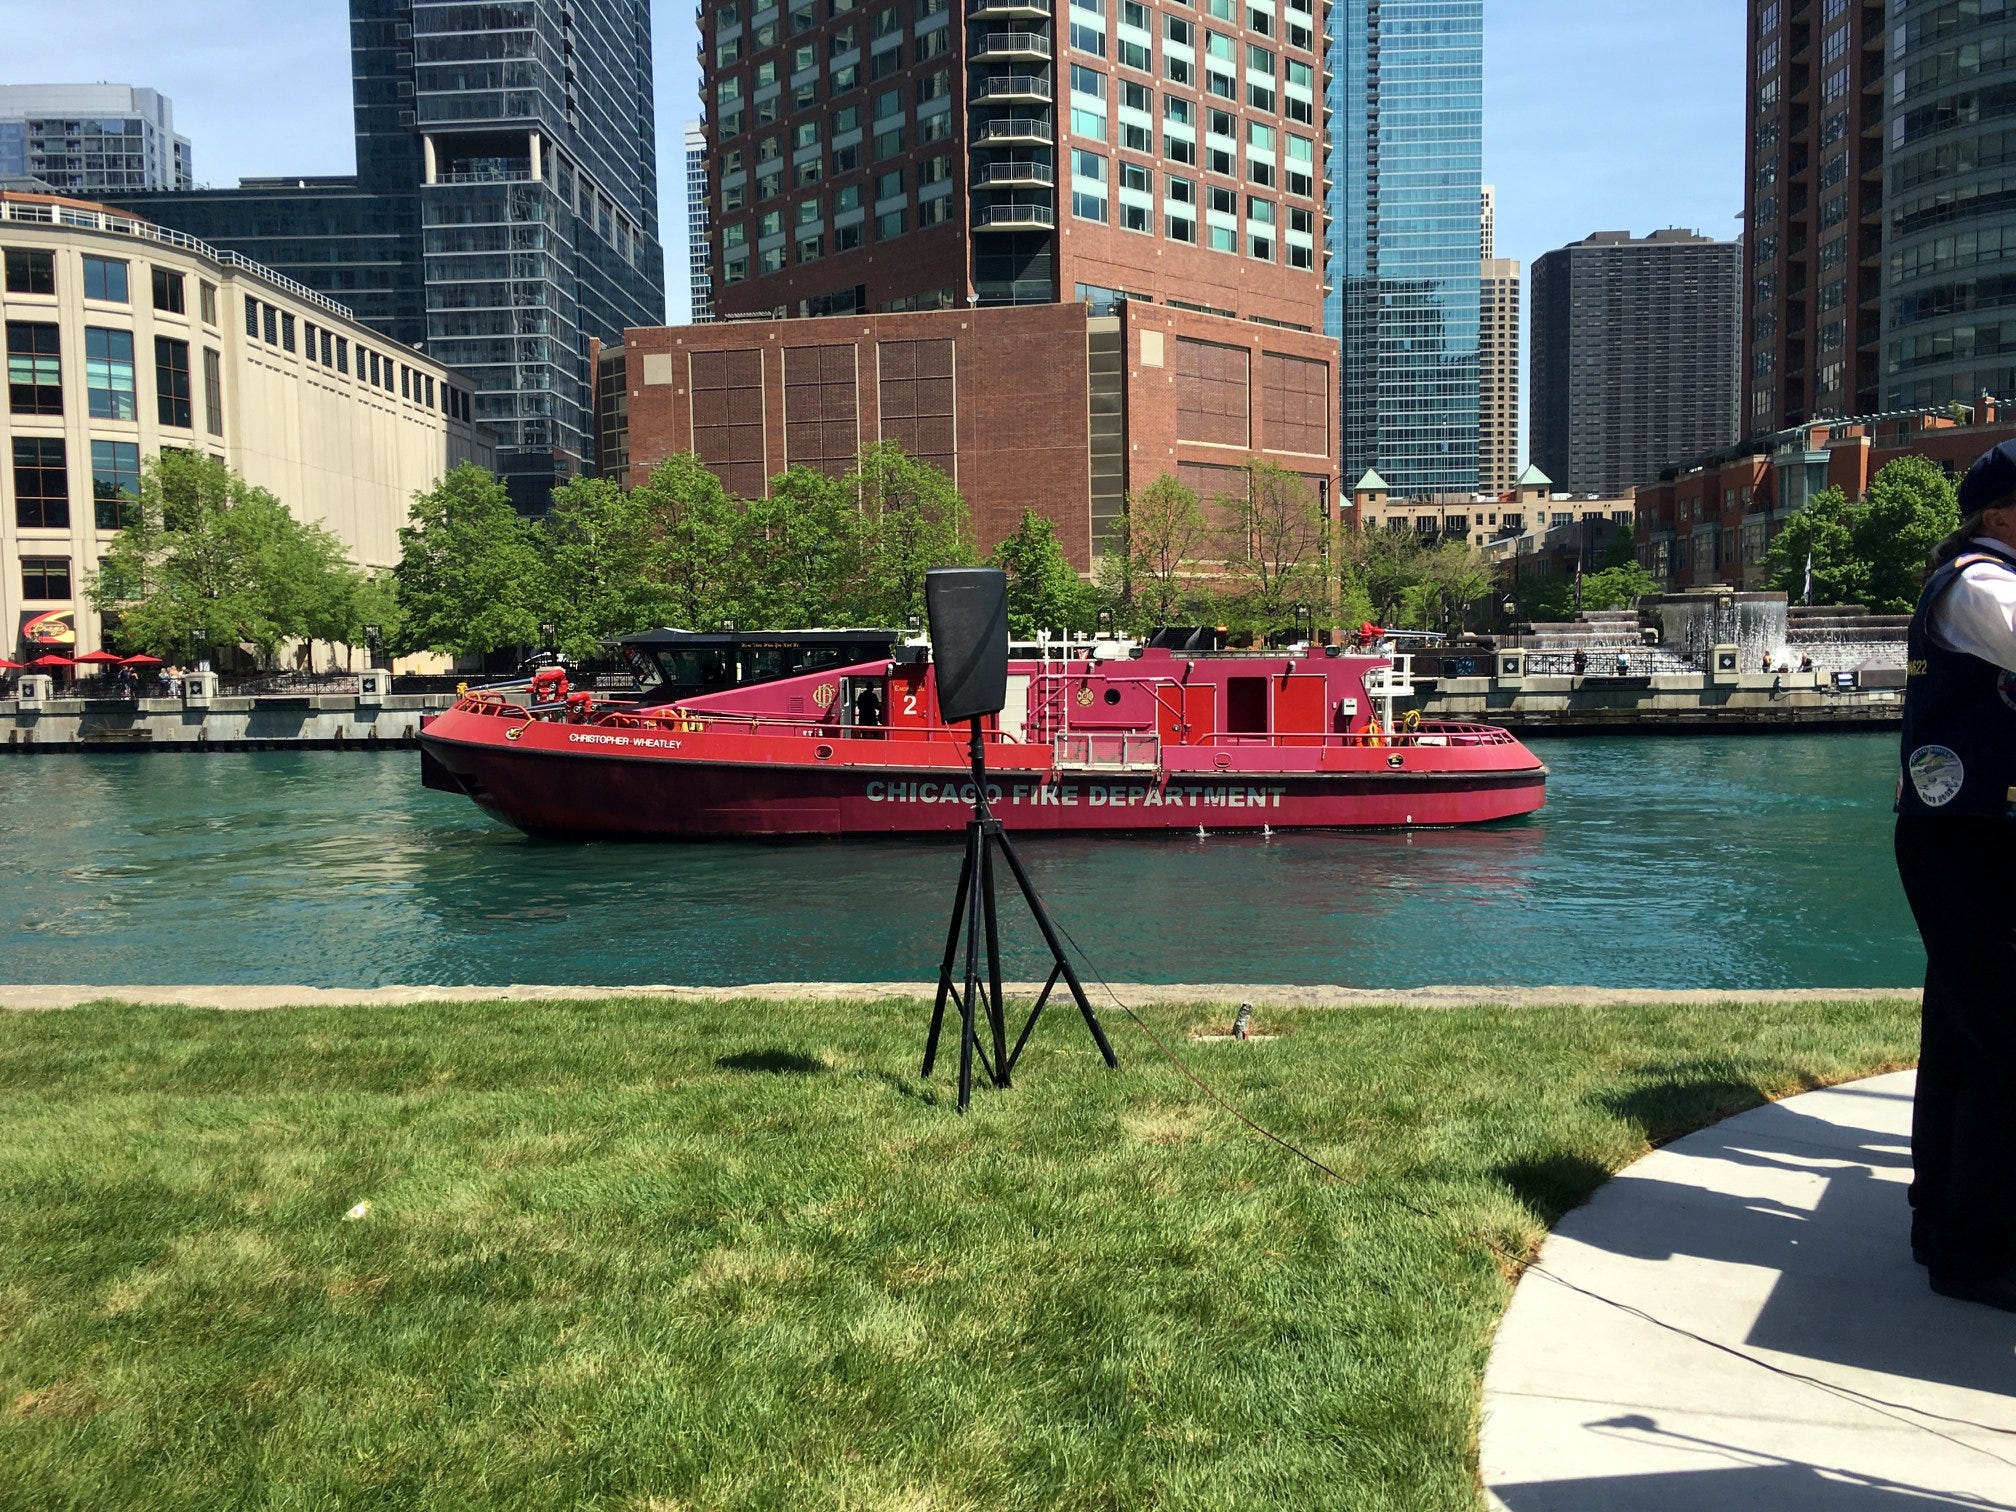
(1429, 733)
(1108, 752)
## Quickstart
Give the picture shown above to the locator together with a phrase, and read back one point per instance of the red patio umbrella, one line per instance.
(52, 660)
(100, 658)
(9, 666)
(141, 661)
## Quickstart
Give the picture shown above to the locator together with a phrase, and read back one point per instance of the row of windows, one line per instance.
(35, 376)
(42, 483)
(32, 272)
(319, 344)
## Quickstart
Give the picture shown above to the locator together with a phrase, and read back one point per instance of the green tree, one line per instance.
(1824, 532)
(1380, 569)
(912, 519)
(596, 544)
(469, 579)
(800, 551)
(1273, 546)
(1154, 569)
(1044, 591)
(208, 560)
(694, 527)
(1911, 506)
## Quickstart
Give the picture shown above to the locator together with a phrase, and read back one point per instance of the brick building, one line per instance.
(1048, 406)
(914, 154)
(1713, 521)
(1813, 212)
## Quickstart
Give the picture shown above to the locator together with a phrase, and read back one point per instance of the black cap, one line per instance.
(1990, 481)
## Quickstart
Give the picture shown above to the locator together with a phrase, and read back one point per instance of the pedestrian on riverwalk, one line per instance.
(1956, 839)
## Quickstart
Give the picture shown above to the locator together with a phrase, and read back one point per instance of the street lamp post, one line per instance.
(371, 644)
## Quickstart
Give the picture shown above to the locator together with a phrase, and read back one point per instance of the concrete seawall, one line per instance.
(1696, 702)
(308, 722)
(1699, 702)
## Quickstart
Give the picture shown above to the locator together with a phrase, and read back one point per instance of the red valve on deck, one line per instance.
(578, 706)
(549, 685)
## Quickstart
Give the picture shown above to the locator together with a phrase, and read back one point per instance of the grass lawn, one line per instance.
(647, 1256)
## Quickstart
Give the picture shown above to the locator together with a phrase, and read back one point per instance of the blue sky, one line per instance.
(1599, 115)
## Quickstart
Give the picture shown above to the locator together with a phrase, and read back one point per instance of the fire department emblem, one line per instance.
(1084, 698)
(824, 694)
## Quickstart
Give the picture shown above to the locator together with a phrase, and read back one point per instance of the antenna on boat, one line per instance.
(968, 608)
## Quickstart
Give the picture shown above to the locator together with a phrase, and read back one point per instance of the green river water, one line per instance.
(1742, 862)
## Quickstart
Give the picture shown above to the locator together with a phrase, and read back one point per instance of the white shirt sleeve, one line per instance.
(1977, 615)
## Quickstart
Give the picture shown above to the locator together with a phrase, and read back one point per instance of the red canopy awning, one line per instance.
(100, 658)
(52, 660)
(141, 661)
(9, 666)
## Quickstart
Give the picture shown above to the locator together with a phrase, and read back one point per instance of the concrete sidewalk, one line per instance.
(1782, 1235)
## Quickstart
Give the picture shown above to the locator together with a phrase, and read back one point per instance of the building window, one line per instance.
(272, 325)
(429, 382)
(328, 348)
(41, 484)
(343, 355)
(171, 381)
(1088, 186)
(286, 332)
(207, 293)
(105, 278)
(34, 369)
(108, 374)
(30, 272)
(45, 578)
(251, 317)
(170, 292)
(213, 390)
(115, 483)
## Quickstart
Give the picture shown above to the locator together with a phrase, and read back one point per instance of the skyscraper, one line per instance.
(1812, 212)
(699, 263)
(1406, 98)
(504, 211)
(91, 139)
(921, 156)
(1635, 352)
(1498, 377)
(1949, 201)
(1487, 224)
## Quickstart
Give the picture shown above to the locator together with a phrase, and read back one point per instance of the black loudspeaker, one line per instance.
(968, 608)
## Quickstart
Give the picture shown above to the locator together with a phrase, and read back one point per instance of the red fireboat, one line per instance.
(1099, 735)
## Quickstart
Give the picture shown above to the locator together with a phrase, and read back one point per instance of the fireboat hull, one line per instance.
(674, 789)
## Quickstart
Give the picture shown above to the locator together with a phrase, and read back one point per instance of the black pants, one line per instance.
(1958, 874)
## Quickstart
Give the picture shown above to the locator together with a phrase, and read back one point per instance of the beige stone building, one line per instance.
(1494, 523)
(124, 338)
(1498, 376)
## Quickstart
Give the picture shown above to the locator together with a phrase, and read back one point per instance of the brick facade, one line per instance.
(1010, 402)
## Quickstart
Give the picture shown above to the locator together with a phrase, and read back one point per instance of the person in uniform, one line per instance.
(1956, 840)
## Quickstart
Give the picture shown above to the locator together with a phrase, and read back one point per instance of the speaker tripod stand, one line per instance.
(974, 914)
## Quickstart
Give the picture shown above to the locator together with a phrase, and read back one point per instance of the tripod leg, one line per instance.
(1057, 951)
(951, 955)
(996, 1017)
(1034, 1014)
(968, 1035)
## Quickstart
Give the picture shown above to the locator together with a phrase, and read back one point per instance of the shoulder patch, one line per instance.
(1936, 774)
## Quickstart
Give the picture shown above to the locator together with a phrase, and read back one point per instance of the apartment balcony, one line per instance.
(1018, 46)
(987, 10)
(999, 175)
(1015, 218)
(1014, 87)
(1016, 129)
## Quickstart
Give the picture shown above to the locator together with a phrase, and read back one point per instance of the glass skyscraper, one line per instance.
(504, 213)
(1406, 101)
(91, 139)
